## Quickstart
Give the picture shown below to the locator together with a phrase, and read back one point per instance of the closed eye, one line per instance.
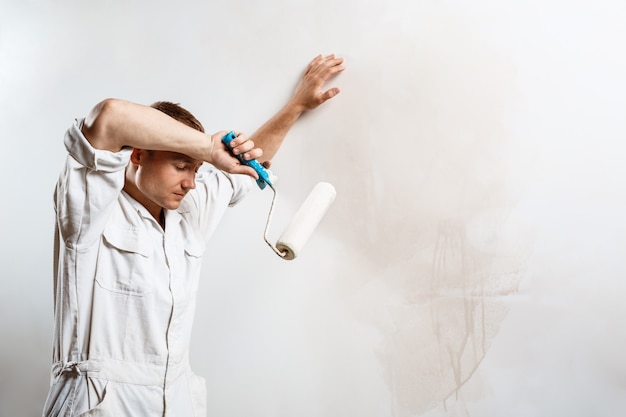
(187, 165)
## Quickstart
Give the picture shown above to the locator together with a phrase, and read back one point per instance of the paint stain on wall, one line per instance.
(432, 250)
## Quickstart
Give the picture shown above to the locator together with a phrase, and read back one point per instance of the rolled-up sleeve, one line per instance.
(81, 150)
(90, 182)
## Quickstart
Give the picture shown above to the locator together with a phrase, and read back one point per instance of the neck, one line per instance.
(154, 209)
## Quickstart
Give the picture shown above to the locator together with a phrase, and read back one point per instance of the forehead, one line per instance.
(165, 156)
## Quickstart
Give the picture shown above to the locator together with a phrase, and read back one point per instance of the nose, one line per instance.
(189, 182)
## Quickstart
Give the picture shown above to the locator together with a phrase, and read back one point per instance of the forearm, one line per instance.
(271, 134)
(114, 124)
(307, 96)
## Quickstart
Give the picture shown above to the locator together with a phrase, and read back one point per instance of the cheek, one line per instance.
(150, 180)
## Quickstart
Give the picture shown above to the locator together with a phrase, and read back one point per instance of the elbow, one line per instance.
(99, 125)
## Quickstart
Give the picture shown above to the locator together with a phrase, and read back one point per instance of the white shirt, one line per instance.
(125, 289)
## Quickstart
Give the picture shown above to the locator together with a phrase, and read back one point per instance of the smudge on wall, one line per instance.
(430, 198)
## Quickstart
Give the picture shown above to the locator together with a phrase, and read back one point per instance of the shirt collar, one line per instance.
(171, 216)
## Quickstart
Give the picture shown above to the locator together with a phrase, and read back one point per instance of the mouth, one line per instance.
(179, 196)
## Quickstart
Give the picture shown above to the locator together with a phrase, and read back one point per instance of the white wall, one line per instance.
(473, 262)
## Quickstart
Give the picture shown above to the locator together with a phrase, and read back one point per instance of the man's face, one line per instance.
(164, 178)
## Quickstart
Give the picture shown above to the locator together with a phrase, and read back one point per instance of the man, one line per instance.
(132, 218)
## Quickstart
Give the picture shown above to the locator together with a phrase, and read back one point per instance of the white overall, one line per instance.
(125, 289)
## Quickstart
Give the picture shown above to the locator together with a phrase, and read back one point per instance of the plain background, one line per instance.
(473, 262)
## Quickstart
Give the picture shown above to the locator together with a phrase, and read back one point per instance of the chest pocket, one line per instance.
(124, 264)
(194, 249)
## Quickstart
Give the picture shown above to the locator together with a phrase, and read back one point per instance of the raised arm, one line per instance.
(308, 95)
(114, 124)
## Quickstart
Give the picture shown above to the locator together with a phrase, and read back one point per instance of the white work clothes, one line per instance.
(125, 289)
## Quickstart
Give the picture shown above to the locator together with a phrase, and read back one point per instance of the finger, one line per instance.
(330, 93)
(267, 164)
(320, 62)
(314, 62)
(254, 153)
(333, 66)
(332, 60)
(324, 72)
(245, 170)
(241, 146)
(238, 140)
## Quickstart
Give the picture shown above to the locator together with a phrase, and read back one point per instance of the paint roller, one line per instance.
(306, 219)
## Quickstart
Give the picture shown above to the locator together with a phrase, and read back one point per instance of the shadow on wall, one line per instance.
(425, 196)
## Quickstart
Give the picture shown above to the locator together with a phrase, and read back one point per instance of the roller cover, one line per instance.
(306, 219)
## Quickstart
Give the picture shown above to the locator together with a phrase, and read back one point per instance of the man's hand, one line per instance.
(309, 93)
(222, 158)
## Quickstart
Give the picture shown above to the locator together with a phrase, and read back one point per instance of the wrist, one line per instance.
(209, 149)
(295, 108)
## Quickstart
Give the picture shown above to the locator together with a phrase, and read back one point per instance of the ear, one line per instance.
(136, 156)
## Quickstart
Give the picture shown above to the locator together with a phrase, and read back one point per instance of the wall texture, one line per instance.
(473, 262)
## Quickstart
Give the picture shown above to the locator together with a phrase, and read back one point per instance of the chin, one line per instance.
(171, 205)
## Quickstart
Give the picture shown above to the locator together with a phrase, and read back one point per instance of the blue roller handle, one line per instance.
(264, 174)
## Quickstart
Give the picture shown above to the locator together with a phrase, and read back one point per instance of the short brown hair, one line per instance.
(177, 112)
